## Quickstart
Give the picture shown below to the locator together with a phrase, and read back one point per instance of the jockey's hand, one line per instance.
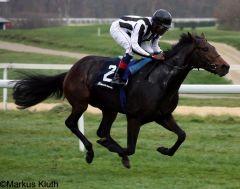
(159, 56)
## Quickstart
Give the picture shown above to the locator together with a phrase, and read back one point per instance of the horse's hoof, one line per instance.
(89, 156)
(126, 162)
(165, 151)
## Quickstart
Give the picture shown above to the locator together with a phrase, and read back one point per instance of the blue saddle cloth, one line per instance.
(106, 74)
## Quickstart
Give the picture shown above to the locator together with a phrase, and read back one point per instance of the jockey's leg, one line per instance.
(121, 36)
(117, 79)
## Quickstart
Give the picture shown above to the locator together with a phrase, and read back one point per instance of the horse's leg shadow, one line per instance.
(105, 138)
(170, 124)
(72, 124)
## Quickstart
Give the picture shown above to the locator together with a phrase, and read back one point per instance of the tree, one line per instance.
(228, 14)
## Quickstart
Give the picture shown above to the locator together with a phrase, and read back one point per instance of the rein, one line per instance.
(176, 67)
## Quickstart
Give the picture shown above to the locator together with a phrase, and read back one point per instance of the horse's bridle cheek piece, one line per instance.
(207, 63)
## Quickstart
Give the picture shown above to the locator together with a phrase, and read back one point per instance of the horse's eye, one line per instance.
(205, 49)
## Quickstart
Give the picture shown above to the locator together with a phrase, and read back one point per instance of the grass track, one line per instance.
(37, 146)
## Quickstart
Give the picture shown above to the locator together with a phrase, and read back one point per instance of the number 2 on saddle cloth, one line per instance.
(106, 74)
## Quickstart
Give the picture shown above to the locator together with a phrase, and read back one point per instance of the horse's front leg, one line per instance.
(133, 129)
(169, 123)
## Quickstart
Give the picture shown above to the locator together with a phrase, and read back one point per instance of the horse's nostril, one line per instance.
(225, 66)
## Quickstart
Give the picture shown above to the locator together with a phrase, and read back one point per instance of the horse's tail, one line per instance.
(36, 88)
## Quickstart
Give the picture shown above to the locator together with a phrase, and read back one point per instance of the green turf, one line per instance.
(85, 39)
(37, 146)
(211, 33)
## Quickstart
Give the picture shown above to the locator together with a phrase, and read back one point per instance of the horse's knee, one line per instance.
(100, 133)
(181, 136)
(70, 125)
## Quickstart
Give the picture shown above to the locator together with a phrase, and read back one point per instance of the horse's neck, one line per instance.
(172, 73)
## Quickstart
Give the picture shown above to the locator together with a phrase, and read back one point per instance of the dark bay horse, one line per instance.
(152, 94)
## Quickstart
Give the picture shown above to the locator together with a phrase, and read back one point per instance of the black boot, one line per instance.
(117, 80)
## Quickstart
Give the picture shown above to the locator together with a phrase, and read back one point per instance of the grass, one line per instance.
(216, 100)
(37, 146)
(20, 57)
(85, 39)
(212, 34)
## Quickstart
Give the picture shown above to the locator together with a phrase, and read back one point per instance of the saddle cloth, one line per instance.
(106, 74)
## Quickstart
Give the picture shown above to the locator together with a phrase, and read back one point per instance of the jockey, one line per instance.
(139, 35)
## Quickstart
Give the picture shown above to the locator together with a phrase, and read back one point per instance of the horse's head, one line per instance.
(205, 56)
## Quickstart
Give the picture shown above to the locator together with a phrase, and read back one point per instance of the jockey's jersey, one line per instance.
(140, 30)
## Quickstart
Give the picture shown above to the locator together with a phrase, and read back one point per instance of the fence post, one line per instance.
(5, 92)
(81, 128)
(98, 31)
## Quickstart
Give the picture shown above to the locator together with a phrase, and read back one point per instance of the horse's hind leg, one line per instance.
(106, 140)
(72, 124)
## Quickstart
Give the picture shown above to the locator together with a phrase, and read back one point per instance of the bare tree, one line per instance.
(228, 14)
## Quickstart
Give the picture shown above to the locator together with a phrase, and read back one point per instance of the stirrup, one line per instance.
(119, 82)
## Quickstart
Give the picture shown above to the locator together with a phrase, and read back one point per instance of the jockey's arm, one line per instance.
(136, 39)
(155, 45)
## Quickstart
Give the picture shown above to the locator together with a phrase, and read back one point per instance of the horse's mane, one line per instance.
(184, 40)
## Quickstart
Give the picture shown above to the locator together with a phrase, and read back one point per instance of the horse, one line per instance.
(152, 93)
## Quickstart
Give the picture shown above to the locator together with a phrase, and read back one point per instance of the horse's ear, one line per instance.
(202, 35)
(190, 36)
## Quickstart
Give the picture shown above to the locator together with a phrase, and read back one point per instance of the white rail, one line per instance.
(192, 89)
(184, 89)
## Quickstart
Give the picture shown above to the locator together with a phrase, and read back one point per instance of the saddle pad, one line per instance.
(106, 74)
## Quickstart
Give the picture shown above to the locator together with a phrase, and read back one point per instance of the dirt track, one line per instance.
(230, 54)
(181, 110)
(31, 49)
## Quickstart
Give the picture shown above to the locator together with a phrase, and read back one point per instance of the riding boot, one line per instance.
(117, 78)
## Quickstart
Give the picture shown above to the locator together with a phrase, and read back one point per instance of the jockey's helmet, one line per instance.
(162, 17)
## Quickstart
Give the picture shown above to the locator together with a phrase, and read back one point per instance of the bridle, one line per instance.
(207, 63)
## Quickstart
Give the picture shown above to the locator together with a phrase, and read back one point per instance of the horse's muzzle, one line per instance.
(222, 67)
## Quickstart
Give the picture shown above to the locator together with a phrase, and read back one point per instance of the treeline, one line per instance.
(224, 10)
(109, 8)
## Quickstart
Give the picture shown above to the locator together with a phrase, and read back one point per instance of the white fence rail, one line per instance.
(184, 89)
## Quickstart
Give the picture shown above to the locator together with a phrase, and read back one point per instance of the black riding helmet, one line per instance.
(162, 17)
